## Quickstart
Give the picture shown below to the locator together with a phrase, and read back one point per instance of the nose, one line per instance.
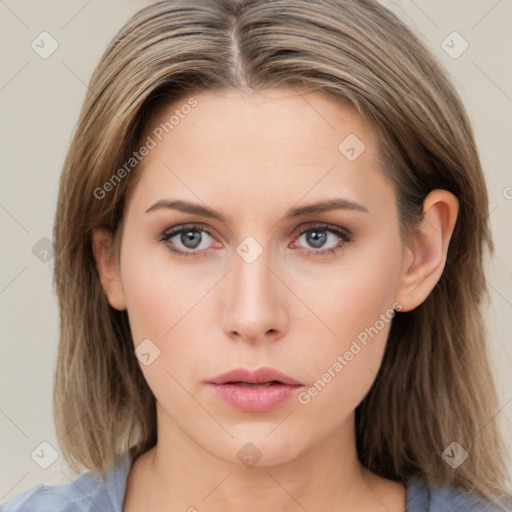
(255, 308)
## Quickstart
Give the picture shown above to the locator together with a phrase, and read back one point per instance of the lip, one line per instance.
(258, 376)
(230, 387)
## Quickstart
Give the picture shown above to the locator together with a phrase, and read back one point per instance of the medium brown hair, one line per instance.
(434, 386)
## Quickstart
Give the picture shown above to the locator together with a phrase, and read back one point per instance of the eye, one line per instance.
(190, 238)
(324, 239)
(194, 240)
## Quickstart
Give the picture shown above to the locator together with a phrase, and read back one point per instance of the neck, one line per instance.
(180, 474)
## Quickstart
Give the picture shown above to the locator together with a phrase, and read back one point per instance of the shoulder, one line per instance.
(444, 498)
(87, 493)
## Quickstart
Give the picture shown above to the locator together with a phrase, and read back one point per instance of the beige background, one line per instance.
(39, 104)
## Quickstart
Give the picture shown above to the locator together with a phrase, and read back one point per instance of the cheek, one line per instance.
(352, 294)
(159, 294)
(160, 300)
(357, 306)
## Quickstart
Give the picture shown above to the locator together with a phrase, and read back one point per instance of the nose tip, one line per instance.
(254, 310)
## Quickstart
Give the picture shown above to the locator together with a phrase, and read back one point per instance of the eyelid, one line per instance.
(173, 231)
(323, 225)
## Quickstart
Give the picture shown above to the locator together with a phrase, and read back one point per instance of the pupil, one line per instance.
(187, 238)
(317, 238)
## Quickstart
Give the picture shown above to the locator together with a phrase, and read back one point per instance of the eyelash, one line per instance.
(342, 234)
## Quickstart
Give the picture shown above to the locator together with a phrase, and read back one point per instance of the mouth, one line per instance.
(255, 384)
(261, 390)
(260, 376)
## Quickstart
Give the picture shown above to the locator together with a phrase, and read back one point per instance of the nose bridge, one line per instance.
(254, 305)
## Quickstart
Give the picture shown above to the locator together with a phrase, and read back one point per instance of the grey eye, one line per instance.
(190, 238)
(316, 237)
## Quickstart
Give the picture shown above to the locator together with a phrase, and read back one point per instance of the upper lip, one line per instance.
(257, 376)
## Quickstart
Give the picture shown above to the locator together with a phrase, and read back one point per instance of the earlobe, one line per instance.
(108, 271)
(425, 258)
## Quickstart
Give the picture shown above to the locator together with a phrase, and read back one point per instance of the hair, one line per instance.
(434, 385)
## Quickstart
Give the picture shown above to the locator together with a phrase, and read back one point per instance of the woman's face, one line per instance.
(307, 293)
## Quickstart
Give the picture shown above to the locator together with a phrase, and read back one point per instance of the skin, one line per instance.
(253, 156)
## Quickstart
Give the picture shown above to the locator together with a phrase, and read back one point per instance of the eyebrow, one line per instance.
(197, 209)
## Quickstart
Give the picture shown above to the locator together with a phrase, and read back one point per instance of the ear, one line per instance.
(104, 254)
(425, 257)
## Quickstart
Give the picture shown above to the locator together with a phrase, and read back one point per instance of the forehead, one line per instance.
(260, 149)
(268, 119)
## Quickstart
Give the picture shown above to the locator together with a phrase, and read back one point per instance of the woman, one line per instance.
(269, 241)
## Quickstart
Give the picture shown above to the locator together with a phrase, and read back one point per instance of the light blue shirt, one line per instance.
(88, 493)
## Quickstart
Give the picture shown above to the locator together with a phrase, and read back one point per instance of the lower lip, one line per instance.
(254, 399)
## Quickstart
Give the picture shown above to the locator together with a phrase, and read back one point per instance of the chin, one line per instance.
(259, 450)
